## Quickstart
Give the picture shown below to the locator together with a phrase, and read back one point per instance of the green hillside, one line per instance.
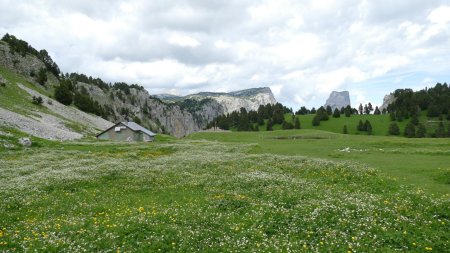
(380, 123)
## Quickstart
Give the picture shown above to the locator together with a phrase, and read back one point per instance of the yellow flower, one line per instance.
(428, 248)
(141, 209)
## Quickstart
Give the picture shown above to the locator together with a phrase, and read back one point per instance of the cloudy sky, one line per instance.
(303, 50)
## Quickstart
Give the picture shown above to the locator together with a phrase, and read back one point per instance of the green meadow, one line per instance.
(280, 191)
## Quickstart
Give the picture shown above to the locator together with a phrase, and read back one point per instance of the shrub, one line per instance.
(37, 100)
(345, 131)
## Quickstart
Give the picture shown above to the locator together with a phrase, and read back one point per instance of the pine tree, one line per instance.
(440, 131)
(368, 127)
(348, 111)
(392, 116)
(42, 76)
(269, 126)
(410, 130)
(360, 126)
(297, 123)
(377, 111)
(336, 113)
(316, 120)
(329, 110)
(421, 131)
(415, 120)
(394, 129)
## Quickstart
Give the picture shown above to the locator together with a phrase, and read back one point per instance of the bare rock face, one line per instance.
(25, 141)
(387, 100)
(338, 100)
(23, 65)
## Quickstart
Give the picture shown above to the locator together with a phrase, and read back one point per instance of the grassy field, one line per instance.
(228, 192)
(380, 123)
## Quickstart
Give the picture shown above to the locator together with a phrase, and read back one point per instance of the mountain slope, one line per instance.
(50, 120)
(30, 72)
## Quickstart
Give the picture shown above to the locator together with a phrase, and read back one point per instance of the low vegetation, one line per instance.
(221, 192)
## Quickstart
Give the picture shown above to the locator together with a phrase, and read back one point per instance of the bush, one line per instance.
(37, 100)
(345, 131)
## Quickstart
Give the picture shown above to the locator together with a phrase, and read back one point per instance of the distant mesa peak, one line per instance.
(338, 99)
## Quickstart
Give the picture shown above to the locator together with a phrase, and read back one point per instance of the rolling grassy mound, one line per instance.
(208, 196)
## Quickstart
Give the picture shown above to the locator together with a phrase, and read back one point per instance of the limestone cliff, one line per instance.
(338, 100)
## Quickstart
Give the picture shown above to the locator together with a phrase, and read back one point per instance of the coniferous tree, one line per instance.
(287, 125)
(377, 111)
(360, 109)
(297, 123)
(410, 130)
(414, 120)
(63, 94)
(348, 111)
(329, 110)
(316, 120)
(440, 131)
(41, 77)
(392, 116)
(368, 127)
(360, 126)
(421, 131)
(345, 131)
(269, 126)
(394, 129)
(336, 113)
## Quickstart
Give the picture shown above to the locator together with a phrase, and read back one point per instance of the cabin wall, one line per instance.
(125, 134)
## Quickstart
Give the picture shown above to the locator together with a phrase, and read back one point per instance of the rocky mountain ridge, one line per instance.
(125, 102)
(250, 99)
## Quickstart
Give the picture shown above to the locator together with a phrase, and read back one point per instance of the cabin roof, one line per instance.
(132, 126)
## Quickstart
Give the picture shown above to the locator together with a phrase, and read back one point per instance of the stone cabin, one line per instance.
(127, 131)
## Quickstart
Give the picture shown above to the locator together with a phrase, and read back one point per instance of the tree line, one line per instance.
(244, 120)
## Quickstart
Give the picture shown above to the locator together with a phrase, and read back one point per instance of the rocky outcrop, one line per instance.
(387, 100)
(338, 100)
(181, 117)
(27, 65)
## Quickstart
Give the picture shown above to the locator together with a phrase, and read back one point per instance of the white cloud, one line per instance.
(183, 40)
(440, 15)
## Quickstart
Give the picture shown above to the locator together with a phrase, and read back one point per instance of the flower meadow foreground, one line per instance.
(201, 196)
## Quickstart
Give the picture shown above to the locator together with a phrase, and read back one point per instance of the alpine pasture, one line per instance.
(280, 191)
